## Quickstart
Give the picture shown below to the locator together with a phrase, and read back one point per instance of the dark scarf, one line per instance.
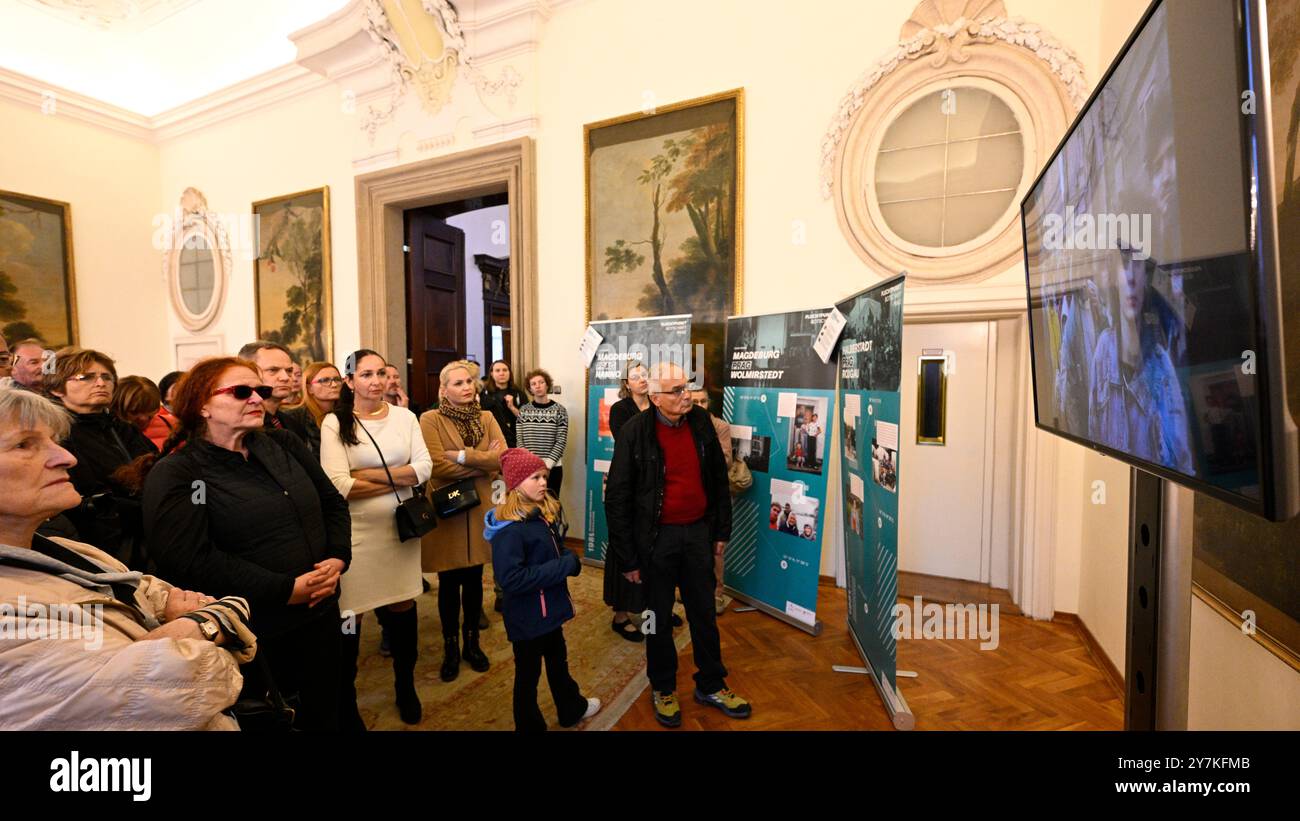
(467, 419)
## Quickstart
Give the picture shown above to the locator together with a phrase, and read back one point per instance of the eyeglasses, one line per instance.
(243, 392)
(328, 380)
(108, 378)
(677, 391)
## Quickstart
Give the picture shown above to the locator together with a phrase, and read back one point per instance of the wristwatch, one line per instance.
(207, 626)
(460, 457)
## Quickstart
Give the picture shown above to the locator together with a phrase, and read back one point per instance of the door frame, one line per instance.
(1033, 496)
(382, 196)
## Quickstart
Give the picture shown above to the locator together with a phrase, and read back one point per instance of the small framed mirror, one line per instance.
(932, 399)
(197, 263)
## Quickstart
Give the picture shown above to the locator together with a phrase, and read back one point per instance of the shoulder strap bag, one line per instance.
(415, 516)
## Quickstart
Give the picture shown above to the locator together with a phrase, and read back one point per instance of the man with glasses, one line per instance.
(668, 505)
(276, 365)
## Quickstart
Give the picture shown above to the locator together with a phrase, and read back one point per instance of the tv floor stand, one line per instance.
(1157, 651)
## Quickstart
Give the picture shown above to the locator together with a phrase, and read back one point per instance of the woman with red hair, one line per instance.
(241, 510)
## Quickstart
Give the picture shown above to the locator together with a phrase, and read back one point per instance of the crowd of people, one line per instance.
(279, 489)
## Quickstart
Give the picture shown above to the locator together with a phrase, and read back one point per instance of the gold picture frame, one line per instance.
(659, 232)
(289, 235)
(36, 262)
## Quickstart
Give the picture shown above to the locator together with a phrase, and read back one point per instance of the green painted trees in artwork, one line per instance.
(13, 311)
(296, 245)
(694, 174)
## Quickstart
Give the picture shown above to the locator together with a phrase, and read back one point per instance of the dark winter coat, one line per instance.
(532, 566)
(634, 492)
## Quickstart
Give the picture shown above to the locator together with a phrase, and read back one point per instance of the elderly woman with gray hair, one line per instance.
(86, 644)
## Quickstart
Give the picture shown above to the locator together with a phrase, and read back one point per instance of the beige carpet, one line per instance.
(605, 666)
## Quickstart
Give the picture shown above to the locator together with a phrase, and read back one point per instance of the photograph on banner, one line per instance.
(793, 512)
(806, 447)
(870, 367)
(884, 456)
(625, 343)
(780, 402)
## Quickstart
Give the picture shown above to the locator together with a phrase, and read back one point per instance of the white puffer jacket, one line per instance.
(56, 675)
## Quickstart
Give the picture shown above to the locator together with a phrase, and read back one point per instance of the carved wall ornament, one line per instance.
(956, 42)
(429, 68)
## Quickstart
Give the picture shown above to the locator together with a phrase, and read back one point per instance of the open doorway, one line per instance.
(458, 287)
(501, 170)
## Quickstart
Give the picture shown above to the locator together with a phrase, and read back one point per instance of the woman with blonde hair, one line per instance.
(465, 443)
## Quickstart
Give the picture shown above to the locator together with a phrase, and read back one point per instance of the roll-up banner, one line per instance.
(870, 365)
(644, 340)
(780, 401)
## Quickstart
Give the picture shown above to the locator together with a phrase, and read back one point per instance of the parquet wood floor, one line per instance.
(1040, 677)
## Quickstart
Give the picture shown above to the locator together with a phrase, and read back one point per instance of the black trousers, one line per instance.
(683, 557)
(459, 588)
(529, 656)
(554, 479)
(305, 661)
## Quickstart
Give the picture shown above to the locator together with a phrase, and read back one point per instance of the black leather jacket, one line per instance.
(634, 490)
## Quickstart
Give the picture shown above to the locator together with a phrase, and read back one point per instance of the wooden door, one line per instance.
(435, 304)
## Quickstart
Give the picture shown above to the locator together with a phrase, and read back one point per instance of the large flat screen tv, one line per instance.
(1150, 255)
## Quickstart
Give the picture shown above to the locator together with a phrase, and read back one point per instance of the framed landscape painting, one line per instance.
(37, 287)
(664, 197)
(292, 274)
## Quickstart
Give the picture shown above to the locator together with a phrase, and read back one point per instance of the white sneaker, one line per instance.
(593, 707)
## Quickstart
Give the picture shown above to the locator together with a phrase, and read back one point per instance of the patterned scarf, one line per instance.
(467, 420)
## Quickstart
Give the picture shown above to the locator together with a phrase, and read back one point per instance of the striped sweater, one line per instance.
(543, 430)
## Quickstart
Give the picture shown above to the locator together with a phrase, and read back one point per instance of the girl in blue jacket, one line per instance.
(531, 565)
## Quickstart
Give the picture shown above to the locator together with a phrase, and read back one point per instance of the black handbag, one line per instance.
(269, 714)
(456, 497)
(414, 515)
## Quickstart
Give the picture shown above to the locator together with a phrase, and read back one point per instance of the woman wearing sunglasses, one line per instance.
(108, 517)
(245, 511)
(323, 385)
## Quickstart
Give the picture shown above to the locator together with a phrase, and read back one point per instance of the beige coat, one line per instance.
(458, 542)
(107, 678)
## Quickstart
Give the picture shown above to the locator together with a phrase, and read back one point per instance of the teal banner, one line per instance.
(870, 352)
(644, 340)
(780, 402)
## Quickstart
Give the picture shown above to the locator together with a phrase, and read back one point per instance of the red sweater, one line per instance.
(684, 498)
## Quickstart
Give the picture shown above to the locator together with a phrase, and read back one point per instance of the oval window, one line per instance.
(197, 274)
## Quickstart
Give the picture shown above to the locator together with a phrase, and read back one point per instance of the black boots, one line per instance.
(403, 639)
(474, 655)
(349, 719)
(450, 658)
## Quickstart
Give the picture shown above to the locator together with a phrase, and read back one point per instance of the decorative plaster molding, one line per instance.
(949, 43)
(432, 79)
(275, 86)
(120, 15)
(284, 83)
(521, 127)
(54, 101)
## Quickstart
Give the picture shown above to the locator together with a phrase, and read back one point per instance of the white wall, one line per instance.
(111, 182)
(303, 143)
(487, 231)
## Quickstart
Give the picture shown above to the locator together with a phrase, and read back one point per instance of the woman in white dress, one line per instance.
(385, 572)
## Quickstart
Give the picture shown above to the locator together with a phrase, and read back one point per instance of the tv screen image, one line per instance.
(1149, 272)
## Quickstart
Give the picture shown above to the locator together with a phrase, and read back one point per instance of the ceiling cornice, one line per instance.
(265, 89)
